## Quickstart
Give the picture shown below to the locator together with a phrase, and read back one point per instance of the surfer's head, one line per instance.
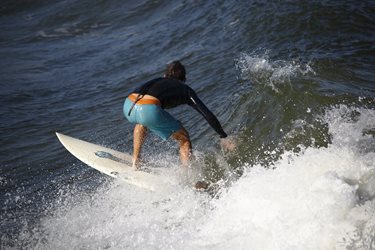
(176, 70)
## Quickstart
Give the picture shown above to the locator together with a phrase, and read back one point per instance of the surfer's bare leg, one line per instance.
(182, 136)
(139, 137)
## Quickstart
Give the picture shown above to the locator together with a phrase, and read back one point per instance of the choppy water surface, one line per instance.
(292, 81)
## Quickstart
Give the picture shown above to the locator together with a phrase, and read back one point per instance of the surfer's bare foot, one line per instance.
(135, 165)
(201, 185)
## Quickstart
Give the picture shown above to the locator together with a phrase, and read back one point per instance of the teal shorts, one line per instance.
(153, 117)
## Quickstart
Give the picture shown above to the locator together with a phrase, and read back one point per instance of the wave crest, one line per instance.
(259, 68)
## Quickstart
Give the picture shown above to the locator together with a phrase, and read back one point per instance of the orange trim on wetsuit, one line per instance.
(146, 99)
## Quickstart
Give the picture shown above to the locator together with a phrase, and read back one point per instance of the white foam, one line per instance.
(321, 198)
(258, 67)
(311, 200)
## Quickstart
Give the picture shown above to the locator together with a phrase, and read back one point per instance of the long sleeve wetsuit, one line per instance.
(172, 93)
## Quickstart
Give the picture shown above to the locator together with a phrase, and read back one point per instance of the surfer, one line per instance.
(145, 106)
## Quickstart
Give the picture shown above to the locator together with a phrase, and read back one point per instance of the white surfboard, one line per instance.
(112, 163)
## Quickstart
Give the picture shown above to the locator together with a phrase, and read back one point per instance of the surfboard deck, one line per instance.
(111, 162)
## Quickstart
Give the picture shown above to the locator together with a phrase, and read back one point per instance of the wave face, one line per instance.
(292, 82)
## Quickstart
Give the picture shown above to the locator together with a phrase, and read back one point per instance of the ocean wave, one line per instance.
(319, 198)
(261, 69)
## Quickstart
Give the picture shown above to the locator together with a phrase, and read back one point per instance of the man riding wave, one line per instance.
(145, 106)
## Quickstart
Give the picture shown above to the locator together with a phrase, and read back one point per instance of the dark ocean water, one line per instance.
(293, 81)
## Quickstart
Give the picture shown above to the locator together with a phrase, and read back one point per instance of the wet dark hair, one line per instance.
(176, 70)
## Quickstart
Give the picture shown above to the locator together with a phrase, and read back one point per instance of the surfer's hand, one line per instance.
(228, 143)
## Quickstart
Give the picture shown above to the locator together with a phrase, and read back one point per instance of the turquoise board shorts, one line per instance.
(153, 117)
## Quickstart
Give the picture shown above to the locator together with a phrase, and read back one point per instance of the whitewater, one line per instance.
(318, 198)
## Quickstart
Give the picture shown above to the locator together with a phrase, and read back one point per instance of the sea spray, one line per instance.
(318, 198)
(258, 67)
(309, 200)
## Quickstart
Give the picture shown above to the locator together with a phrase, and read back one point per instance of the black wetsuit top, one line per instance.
(172, 93)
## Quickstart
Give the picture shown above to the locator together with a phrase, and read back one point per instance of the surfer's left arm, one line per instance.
(198, 105)
(228, 143)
